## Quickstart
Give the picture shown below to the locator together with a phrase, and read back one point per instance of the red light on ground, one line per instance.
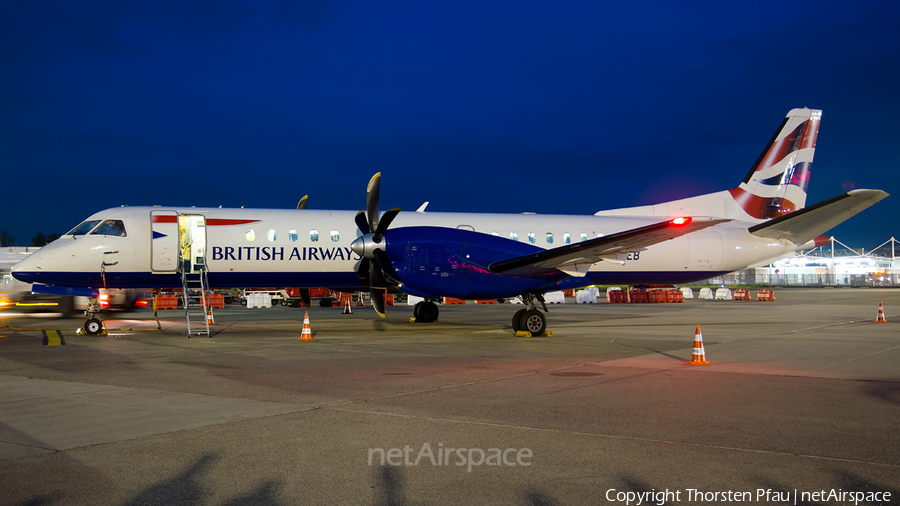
(681, 221)
(142, 303)
(104, 299)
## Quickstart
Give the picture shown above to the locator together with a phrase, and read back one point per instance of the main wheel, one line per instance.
(93, 326)
(533, 321)
(427, 313)
(517, 326)
(416, 309)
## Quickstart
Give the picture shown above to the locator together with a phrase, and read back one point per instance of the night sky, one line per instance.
(550, 107)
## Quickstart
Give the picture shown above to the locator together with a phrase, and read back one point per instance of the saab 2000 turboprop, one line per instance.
(461, 255)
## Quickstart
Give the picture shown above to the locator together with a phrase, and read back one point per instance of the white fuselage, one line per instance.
(262, 247)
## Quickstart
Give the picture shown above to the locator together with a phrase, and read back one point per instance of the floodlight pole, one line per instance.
(833, 274)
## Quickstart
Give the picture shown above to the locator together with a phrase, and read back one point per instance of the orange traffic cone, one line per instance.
(359, 301)
(699, 356)
(209, 317)
(306, 335)
(880, 318)
(347, 309)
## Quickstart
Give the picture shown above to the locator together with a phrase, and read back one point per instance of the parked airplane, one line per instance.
(469, 256)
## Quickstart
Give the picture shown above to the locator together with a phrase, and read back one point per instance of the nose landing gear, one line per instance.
(94, 325)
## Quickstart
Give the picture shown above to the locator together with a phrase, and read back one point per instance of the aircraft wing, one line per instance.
(576, 259)
(810, 222)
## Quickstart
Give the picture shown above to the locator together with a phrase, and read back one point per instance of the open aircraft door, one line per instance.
(164, 242)
(192, 230)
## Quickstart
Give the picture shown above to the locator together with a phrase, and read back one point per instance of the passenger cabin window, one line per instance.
(250, 235)
(532, 238)
(549, 238)
(292, 235)
(583, 237)
(84, 228)
(314, 235)
(111, 227)
(271, 235)
(567, 238)
(514, 236)
(335, 236)
(495, 234)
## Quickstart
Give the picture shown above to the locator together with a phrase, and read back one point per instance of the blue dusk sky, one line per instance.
(549, 107)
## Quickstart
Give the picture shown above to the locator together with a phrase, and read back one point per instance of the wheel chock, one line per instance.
(80, 332)
(523, 333)
(547, 333)
(412, 320)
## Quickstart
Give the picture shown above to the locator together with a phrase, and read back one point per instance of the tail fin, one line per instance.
(776, 184)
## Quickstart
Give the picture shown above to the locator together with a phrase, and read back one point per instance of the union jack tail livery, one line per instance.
(777, 183)
(775, 186)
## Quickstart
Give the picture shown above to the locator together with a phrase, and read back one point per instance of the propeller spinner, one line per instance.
(371, 245)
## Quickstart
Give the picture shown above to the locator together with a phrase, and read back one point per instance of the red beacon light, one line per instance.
(681, 221)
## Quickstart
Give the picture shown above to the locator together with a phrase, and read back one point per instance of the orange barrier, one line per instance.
(674, 296)
(345, 298)
(656, 295)
(741, 294)
(699, 355)
(638, 295)
(880, 318)
(617, 296)
(166, 301)
(451, 300)
(306, 334)
(215, 300)
(569, 293)
(389, 299)
(765, 295)
(486, 301)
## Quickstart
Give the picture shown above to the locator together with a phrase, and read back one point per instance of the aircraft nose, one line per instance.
(25, 269)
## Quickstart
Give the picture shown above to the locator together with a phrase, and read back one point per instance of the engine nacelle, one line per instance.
(453, 262)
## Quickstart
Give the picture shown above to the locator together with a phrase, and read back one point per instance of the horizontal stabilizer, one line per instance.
(807, 223)
(574, 259)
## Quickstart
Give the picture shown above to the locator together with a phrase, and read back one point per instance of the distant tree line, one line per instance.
(7, 240)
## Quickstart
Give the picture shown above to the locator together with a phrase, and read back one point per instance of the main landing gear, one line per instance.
(94, 325)
(425, 312)
(530, 319)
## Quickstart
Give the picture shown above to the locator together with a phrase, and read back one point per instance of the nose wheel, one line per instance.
(93, 326)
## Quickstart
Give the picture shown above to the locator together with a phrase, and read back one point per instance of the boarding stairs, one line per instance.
(196, 299)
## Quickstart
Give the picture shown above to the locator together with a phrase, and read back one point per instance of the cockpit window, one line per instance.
(111, 227)
(84, 227)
